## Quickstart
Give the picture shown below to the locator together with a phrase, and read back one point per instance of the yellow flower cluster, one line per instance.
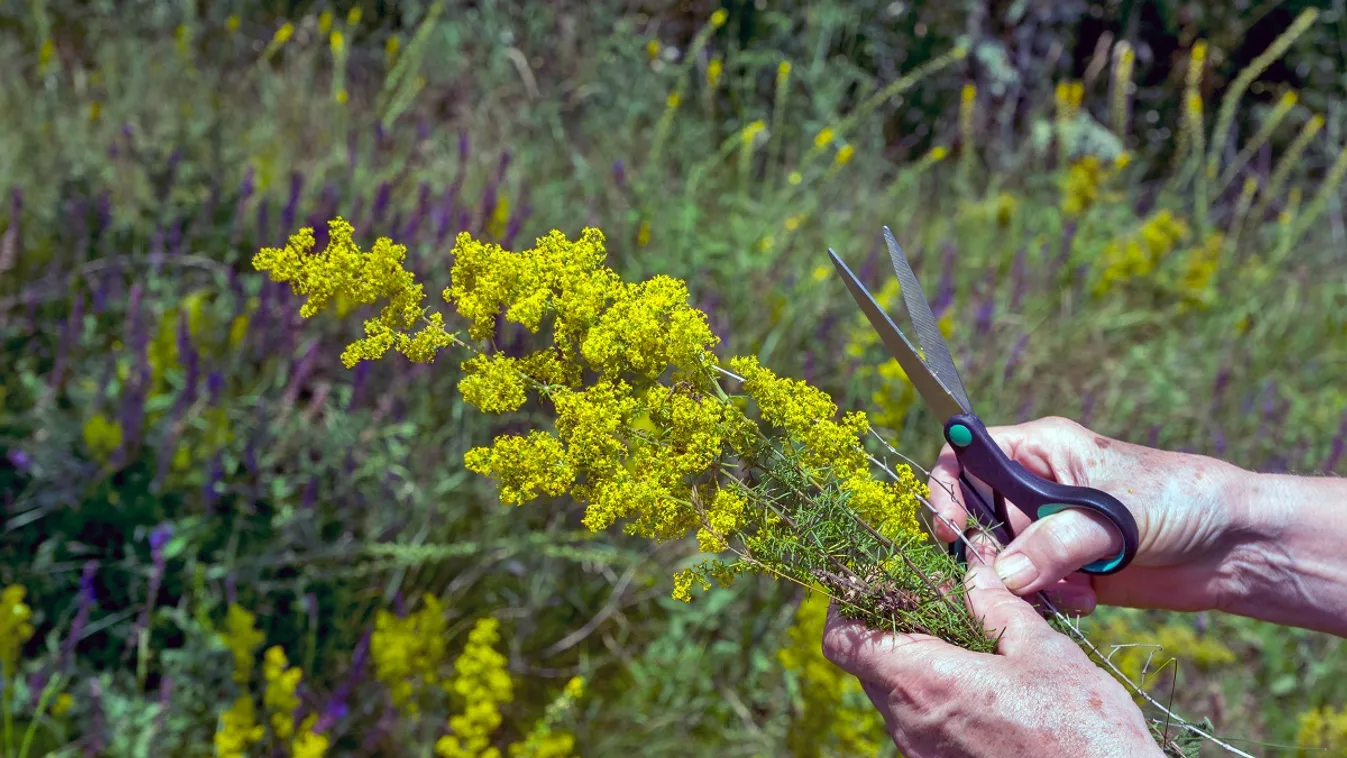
(1199, 272)
(363, 278)
(279, 697)
(805, 414)
(544, 740)
(102, 436)
(1323, 732)
(482, 684)
(1080, 188)
(242, 639)
(835, 716)
(524, 467)
(238, 730)
(16, 628)
(627, 445)
(407, 652)
(1136, 256)
(308, 744)
(554, 745)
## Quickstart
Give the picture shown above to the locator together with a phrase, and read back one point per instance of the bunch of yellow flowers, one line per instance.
(644, 430)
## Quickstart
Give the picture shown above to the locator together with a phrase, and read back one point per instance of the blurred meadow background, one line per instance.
(218, 541)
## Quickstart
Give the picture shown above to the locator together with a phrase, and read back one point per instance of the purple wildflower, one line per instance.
(1087, 409)
(1013, 361)
(188, 357)
(1219, 386)
(291, 210)
(336, 707)
(19, 459)
(381, 197)
(263, 221)
(209, 491)
(463, 148)
(517, 224)
(422, 205)
(982, 320)
(70, 336)
(444, 214)
(1153, 436)
(357, 208)
(300, 375)
(101, 293)
(85, 605)
(250, 458)
(214, 383)
(620, 174)
(358, 382)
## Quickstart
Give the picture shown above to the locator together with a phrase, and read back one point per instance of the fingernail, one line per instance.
(1016, 570)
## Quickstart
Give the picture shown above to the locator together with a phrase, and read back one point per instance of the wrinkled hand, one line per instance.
(1040, 695)
(1188, 525)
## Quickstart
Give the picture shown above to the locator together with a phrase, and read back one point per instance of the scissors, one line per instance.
(983, 466)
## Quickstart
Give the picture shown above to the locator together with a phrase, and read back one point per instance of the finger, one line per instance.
(1073, 598)
(1053, 547)
(875, 656)
(1020, 626)
(1028, 444)
(951, 518)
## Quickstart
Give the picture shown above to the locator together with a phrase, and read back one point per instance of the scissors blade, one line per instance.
(928, 330)
(928, 385)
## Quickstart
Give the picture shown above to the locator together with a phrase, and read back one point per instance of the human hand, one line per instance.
(1189, 525)
(1040, 694)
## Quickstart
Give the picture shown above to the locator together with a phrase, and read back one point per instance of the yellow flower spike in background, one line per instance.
(238, 730)
(1323, 732)
(836, 718)
(242, 638)
(408, 652)
(279, 698)
(15, 627)
(307, 743)
(481, 685)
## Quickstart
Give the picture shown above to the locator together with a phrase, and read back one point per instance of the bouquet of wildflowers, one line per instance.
(651, 429)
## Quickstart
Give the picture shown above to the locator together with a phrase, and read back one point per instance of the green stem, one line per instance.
(29, 733)
(9, 715)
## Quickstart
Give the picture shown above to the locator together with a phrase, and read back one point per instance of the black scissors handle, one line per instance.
(981, 458)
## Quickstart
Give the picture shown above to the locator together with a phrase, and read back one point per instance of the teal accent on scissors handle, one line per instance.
(960, 435)
(1103, 564)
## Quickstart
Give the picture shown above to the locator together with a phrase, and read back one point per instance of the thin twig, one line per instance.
(575, 637)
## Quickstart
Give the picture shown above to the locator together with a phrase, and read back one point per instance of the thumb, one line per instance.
(1016, 621)
(1052, 547)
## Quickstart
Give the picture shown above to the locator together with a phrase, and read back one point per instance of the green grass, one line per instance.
(314, 496)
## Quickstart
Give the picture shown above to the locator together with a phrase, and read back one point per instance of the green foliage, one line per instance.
(151, 153)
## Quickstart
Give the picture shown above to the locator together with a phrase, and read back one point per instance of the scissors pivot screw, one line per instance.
(959, 434)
